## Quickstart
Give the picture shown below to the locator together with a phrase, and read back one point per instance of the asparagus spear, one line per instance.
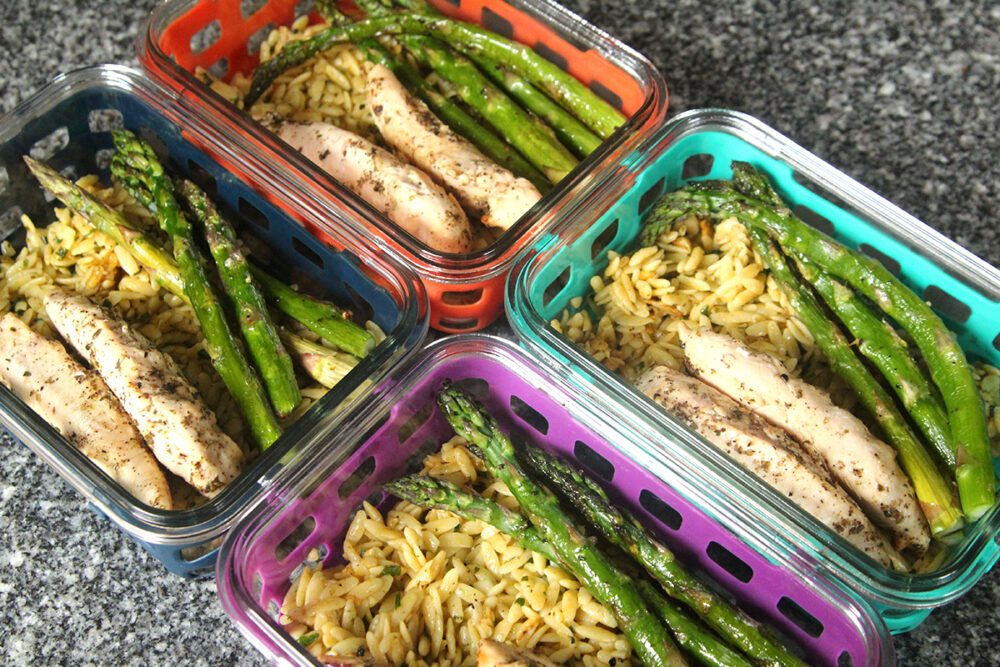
(933, 492)
(429, 492)
(946, 361)
(105, 219)
(259, 332)
(625, 531)
(595, 113)
(318, 316)
(534, 140)
(570, 131)
(881, 345)
(650, 640)
(227, 358)
(326, 366)
(457, 119)
(878, 341)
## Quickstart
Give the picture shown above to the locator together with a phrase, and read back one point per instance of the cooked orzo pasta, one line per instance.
(424, 587)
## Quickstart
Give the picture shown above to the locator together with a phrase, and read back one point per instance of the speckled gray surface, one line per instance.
(903, 97)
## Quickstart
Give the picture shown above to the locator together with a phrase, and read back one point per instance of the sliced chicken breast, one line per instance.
(490, 192)
(179, 428)
(766, 451)
(405, 194)
(864, 465)
(78, 404)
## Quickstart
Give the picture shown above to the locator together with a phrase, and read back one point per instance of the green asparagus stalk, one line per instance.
(532, 138)
(931, 489)
(881, 345)
(227, 358)
(326, 369)
(948, 367)
(326, 366)
(650, 640)
(456, 118)
(595, 113)
(318, 316)
(107, 220)
(574, 134)
(877, 339)
(625, 531)
(259, 332)
(432, 493)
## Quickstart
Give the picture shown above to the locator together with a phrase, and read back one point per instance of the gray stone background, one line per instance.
(902, 96)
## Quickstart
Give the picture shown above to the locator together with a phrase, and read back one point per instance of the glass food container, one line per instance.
(963, 289)
(303, 519)
(68, 125)
(465, 290)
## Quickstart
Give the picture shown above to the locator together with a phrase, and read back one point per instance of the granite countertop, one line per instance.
(903, 97)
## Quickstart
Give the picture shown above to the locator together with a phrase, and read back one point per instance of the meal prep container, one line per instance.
(308, 511)
(67, 124)
(465, 291)
(963, 289)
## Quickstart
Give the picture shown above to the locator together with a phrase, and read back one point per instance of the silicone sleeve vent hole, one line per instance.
(844, 660)
(307, 252)
(206, 37)
(531, 416)
(729, 562)
(105, 120)
(102, 158)
(697, 165)
(203, 178)
(356, 478)
(454, 3)
(295, 538)
(258, 38)
(249, 7)
(252, 214)
(814, 219)
(947, 305)
(656, 506)
(50, 144)
(885, 260)
(463, 297)
(363, 310)
(650, 196)
(996, 345)
(817, 189)
(478, 387)
(791, 610)
(257, 585)
(10, 220)
(545, 51)
(410, 426)
(556, 286)
(604, 240)
(459, 323)
(600, 466)
(498, 24)
(155, 142)
(4, 180)
(606, 94)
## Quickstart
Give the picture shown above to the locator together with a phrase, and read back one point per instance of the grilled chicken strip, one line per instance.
(864, 465)
(78, 404)
(178, 427)
(766, 451)
(405, 194)
(493, 194)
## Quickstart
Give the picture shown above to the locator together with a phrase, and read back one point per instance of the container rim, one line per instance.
(778, 519)
(184, 527)
(444, 268)
(586, 406)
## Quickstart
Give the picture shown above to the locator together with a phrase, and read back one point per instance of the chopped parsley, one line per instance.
(308, 639)
(391, 570)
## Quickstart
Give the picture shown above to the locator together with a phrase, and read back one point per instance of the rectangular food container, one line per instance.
(68, 124)
(465, 291)
(963, 289)
(309, 510)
